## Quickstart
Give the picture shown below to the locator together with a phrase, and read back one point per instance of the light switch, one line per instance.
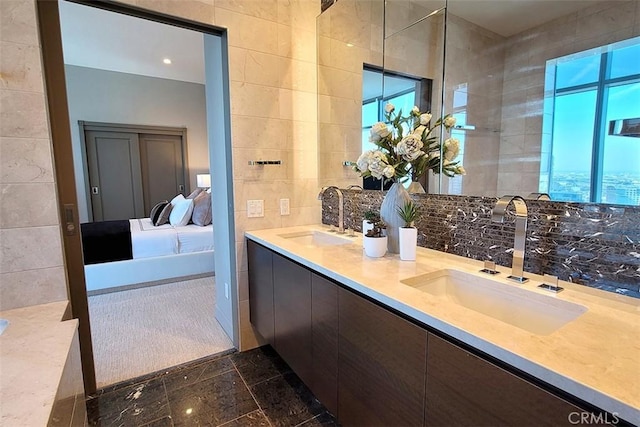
(255, 208)
(284, 206)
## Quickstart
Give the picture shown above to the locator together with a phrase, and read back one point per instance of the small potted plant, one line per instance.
(374, 240)
(408, 234)
(370, 218)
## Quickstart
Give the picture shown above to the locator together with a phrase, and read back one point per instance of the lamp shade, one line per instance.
(203, 180)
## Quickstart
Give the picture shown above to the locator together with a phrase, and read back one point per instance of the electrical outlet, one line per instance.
(284, 206)
(255, 208)
(226, 290)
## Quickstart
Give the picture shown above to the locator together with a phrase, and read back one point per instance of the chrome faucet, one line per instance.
(497, 215)
(340, 205)
(538, 196)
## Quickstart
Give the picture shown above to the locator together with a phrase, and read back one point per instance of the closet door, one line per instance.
(163, 168)
(114, 175)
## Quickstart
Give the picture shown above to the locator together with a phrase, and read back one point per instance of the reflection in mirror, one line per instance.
(540, 96)
(380, 87)
(522, 130)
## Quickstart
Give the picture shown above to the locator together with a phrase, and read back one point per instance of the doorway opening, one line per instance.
(177, 290)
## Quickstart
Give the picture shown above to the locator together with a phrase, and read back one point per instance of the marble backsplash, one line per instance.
(596, 245)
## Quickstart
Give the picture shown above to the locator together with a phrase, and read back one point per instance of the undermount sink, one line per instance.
(316, 238)
(533, 312)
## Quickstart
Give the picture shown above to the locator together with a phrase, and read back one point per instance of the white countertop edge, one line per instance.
(38, 338)
(568, 385)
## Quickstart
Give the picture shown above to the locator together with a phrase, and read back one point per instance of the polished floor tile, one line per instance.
(254, 388)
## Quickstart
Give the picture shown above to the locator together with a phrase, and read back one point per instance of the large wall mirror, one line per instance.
(545, 96)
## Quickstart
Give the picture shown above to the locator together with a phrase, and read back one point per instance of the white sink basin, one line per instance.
(533, 312)
(316, 238)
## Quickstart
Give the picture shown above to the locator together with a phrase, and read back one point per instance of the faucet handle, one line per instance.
(551, 284)
(489, 268)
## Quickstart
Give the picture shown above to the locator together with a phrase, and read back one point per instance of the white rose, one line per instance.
(377, 164)
(363, 160)
(425, 118)
(389, 171)
(449, 122)
(378, 131)
(419, 130)
(410, 147)
(451, 149)
(389, 108)
(415, 111)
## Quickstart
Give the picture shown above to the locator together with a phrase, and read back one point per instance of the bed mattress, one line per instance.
(148, 240)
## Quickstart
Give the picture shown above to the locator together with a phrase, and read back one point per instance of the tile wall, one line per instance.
(31, 257)
(596, 245)
(272, 53)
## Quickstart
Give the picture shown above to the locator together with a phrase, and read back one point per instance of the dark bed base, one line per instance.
(106, 241)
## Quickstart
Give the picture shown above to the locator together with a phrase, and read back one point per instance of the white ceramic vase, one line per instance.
(408, 240)
(366, 226)
(415, 188)
(395, 198)
(375, 247)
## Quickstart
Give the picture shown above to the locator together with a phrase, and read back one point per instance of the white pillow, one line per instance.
(176, 199)
(209, 190)
(181, 212)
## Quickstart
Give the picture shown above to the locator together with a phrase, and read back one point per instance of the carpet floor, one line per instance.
(138, 331)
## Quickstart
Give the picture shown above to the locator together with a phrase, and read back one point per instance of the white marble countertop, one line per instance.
(596, 357)
(33, 352)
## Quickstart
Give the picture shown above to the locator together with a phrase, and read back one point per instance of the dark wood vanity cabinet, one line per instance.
(292, 315)
(372, 367)
(465, 390)
(261, 289)
(382, 361)
(324, 337)
(296, 311)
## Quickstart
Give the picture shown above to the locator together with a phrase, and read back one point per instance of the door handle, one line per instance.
(180, 187)
(95, 190)
(69, 220)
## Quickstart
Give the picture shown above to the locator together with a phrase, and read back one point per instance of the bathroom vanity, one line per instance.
(389, 342)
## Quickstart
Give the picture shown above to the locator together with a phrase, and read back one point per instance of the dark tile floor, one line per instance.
(253, 388)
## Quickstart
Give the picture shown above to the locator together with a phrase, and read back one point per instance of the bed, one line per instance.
(127, 252)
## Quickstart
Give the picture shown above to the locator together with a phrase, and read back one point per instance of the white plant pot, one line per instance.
(366, 226)
(375, 247)
(408, 240)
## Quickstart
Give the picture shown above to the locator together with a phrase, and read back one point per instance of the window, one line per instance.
(581, 161)
(399, 90)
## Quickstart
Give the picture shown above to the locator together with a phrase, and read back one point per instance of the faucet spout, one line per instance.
(497, 215)
(340, 205)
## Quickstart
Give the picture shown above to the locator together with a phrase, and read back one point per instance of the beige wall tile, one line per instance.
(262, 133)
(31, 287)
(20, 67)
(18, 22)
(254, 100)
(297, 43)
(28, 205)
(298, 75)
(264, 9)
(30, 248)
(25, 160)
(258, 68)
(299, 14)
(248, 32)
(23, 114)
(298, 105)
(200, 11)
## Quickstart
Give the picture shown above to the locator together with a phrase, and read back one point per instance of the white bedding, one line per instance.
(148, 240)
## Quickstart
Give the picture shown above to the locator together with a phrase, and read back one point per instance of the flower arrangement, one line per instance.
(402, 156)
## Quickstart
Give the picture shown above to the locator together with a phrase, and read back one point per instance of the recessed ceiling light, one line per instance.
(349, 44)
(166, 61)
